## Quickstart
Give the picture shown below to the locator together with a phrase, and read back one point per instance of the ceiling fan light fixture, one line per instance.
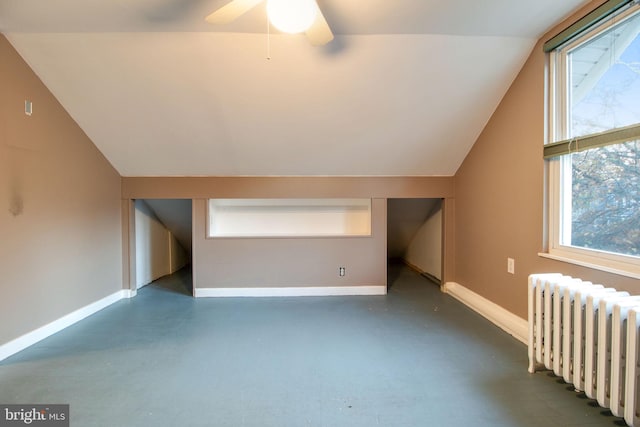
(292, 16)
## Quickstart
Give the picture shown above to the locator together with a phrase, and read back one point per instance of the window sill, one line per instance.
(588, 264)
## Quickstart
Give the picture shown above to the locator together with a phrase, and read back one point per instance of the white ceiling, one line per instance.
(404, 89)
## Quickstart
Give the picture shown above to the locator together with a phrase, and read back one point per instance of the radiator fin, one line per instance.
(589, 335)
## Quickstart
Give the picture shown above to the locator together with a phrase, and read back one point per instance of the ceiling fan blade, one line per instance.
(319, 33)
(231, 11)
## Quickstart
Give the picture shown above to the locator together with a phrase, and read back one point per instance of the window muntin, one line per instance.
(594, 194)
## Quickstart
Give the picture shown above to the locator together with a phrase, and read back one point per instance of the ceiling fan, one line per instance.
(310, 20)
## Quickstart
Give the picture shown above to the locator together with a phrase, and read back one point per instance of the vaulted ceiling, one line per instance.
(404, 89)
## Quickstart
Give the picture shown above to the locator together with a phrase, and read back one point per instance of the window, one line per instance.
(594, 166)
(289, 217)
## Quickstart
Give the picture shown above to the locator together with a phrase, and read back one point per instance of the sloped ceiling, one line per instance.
(404, 219)
(175, 214)
(404, 89)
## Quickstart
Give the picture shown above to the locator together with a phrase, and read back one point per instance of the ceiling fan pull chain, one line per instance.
(268, 39)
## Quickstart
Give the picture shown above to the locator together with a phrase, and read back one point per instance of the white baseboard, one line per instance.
(504, 319)
(291, 292)
(129, 293)
(30, 338)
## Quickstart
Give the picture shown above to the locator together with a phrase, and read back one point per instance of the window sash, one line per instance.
(559, 226)
(602, 139)
(601, 12)
(559, 178)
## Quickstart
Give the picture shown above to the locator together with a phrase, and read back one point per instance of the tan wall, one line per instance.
(60, 222)
(499, 197)
(179, 256)
(299, 262)
(425, 249)
(288, 262)
(286, 187)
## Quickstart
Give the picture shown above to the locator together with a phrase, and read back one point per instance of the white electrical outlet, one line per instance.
(511, 265)
(341, 271)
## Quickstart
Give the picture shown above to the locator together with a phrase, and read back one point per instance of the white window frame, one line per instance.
(288, 218)
(558, 117)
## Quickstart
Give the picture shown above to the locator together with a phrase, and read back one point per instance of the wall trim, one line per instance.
(504, 319)
(30, 338)
(291, 291)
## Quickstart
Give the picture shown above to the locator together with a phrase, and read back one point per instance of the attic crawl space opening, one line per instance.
(414, 235)
(163, 242)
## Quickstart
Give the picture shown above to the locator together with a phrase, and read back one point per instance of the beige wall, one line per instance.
(425, 249)
(299, 262)
(60, 222)
(179, 255)
(288, 262)
(499, 197)
(286, 187)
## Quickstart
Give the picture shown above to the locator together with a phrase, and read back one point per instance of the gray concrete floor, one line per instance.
(415, 357)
